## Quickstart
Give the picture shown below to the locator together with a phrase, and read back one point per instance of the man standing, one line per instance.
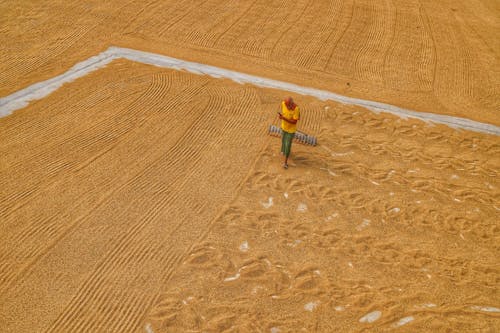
(289, 116)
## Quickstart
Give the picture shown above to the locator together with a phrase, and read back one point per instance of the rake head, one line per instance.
(299, 136)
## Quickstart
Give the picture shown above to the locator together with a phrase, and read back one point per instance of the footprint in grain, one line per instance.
(403, 321)
(302, 207)
(365, 223)
(208, 256)
(166, 309)
(202, 256)
(371, 317)
(220, 323)
(311, 306)
(267, 204)
(310, 280)
(254, 269)
(244, 247)
(251, 269)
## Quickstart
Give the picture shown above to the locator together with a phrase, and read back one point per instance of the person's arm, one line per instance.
(296, 114)
(290, 121)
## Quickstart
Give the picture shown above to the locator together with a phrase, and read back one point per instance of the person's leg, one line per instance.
(283, 142)
(288, 146)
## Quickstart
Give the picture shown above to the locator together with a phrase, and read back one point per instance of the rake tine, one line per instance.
(301, 138)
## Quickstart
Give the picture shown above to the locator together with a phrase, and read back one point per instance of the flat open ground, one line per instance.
(142, 199)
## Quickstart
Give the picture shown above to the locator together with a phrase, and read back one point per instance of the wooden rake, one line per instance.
(299, 136)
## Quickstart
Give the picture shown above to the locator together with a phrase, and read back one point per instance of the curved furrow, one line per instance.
(224, 98)
(184, 13)
(194, 37)
(407, 66)
(62, 42)
(485, 79)
(164, 84)
(97, 297)
(153, 211)
(129, 310)
(242, 107)
(327, 22)
(187, 95)
(136, 178)
(257, 33)
(28, 131)
(310, 120)
(89, 289)
(329, 34)
(301, 58)
(361, 37)
(390, 48)
(239, 114)
(57, 48)
(295, 36)
(368, 63)
(274, 34)
(282, 37)
(177, 162)
(166, 267)
(56, 122)
(158, 85)
(466, 70)
(48, 245)
(428, 27)
(235, 23)
(429, 49)
(43, 229)
(144, 13)
(226, 11)
(44, 157)
(455, 70)
(49, 222)
(198, 24)
(138, 227)
(327, 58)
(182, 83)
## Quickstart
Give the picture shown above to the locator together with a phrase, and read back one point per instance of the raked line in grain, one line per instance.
(39, 90)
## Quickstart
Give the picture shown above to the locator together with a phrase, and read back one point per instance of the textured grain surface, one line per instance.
(385, 217)
(434, 56)
(105, 187)
(139, 199)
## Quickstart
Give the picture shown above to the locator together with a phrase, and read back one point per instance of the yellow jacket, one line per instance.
(289, 114)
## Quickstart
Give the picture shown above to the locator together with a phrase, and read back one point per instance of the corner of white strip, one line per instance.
(22, 98)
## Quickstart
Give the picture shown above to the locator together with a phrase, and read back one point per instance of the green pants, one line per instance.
(286, 142)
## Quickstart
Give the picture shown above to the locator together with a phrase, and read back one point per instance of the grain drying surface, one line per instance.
(433, 56)
(139, 199)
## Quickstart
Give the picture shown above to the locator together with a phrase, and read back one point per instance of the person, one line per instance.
(289, 116)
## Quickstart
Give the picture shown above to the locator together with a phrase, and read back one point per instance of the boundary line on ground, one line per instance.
(23, 97)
